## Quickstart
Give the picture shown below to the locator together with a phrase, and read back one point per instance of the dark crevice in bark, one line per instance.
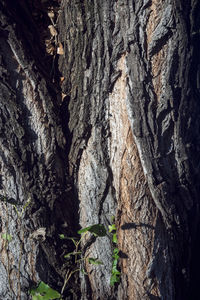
(17, 13)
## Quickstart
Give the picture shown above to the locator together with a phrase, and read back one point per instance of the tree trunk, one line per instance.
(100, 120)
(39, 202)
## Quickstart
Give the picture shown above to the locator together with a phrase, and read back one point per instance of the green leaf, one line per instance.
(114, 279)
(115, 262)
(44, 292)
(34, 297)
(112, 228)
(32, 291)
(72, 253)
(38, 297)
(116, 256)
(114, 239)
(116, 251)
(83, 230)
(97, 230)
(6, 236)
(94, 261)
(83, 271)
(62, 236)
(114, 270)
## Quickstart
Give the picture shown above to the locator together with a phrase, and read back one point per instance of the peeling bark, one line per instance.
(118, 135)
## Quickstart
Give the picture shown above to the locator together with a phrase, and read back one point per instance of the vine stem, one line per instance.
(67, 278)
(70, 273)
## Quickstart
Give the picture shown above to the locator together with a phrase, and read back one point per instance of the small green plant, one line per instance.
(44, 292)
(115, 273)
(98, 230)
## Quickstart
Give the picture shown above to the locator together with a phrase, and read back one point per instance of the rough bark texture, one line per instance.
(123, 140)
(33, 160)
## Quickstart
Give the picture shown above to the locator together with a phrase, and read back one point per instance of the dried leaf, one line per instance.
(63, 96)
(60, 49)
(51, 14)
(50, 49)
(52, 30)
(40, 233)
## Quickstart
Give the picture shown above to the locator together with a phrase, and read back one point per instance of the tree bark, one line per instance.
(33, 157)
(108, 128)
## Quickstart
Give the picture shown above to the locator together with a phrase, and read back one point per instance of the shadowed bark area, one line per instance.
(108, 128)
